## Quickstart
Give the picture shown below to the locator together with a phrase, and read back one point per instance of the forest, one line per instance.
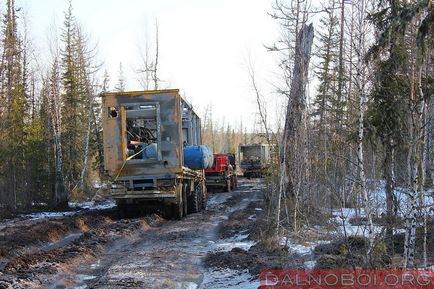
(363, 130)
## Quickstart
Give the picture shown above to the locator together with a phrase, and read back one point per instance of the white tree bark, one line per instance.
(60, 194)
(361, 85)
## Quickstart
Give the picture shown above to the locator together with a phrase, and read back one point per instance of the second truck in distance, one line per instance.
(222, 174)
(254, 159)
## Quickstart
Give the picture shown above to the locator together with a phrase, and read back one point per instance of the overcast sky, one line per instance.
(204, 45)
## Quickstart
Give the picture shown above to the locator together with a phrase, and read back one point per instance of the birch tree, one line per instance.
(360, 83)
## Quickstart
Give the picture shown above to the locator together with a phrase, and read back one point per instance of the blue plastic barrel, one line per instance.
(198, 157)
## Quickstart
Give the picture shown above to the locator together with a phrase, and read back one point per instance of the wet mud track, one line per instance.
(102, 251)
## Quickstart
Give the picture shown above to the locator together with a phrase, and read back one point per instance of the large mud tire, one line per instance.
(204, 196)
(177, 209)
(195, 199)
(185, 200)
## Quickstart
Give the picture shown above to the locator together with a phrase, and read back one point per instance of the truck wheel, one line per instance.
(194, 200)
(184, 200)
(204, 196)
(178, 207)
(204, 199)
(177, 211)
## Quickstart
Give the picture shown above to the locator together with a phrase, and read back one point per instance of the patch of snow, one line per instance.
(107, 204)
(228, 246)
(186, 285)
(85, 277)
(252, 217)
(43, 215)
(378, 197)
(229, 279)
(301, 249)
(258, 209)
(90, 205)
(342, 219)
(237, 241)
(309, 265)
(96, 265)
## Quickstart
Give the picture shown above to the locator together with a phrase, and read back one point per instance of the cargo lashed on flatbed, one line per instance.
(145, 133)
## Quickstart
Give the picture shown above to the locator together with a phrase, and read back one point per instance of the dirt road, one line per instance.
(99, 250)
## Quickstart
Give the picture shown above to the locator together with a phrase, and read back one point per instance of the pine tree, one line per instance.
(14, 112)
(324, 103)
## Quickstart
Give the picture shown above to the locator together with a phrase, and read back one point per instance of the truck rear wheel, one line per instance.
(195, 199)
(204, 195)
(177, 209)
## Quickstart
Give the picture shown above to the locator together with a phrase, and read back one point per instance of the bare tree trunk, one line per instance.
(361, 85)
(60, 194)
(424, 127)
(86, 143)
(429, 166)
(155, 76)
(390, 186)
(294, 113)
(261, 107)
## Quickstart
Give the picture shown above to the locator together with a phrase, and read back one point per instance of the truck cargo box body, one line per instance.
(254, 159)
(144, 135)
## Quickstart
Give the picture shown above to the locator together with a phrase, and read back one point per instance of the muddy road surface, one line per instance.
(97, 249)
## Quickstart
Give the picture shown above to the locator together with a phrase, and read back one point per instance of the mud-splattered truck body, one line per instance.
(254, 159)
(146, 134)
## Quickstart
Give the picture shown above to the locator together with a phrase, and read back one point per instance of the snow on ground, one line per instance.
(342, 217)
(378, 197)
(229, 279)
(294, 247)
(47, 215)
(107, 204)
(309, 265)
(238, 241)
